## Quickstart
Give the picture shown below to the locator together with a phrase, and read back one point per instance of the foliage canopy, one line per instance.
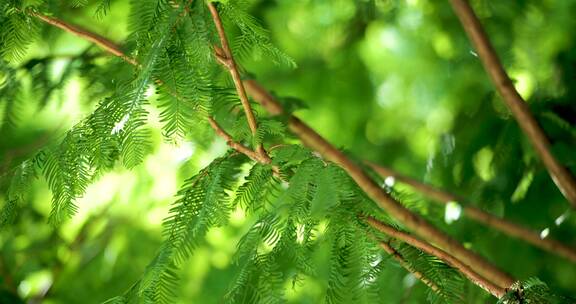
(142, 173)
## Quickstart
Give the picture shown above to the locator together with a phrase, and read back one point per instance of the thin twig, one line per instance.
(411, 220)
(237, 146)
(312, 139)
(466, 270)
(510, 228)
(404, 263)
(562, 177)
(104, 43)
(225, 57)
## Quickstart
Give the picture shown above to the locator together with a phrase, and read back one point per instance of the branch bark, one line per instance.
(442, 197)
(316, 142)
(562, 177)
(412, 221)
(225, 57)
(264, 159)
(466, 270)
(102, 42)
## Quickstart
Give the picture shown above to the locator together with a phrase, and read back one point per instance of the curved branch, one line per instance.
(510, 228)
(102, 42)
(237, 146)
(466, 270)
(562, 177)
(411, 220)
(224, 55)
(316, 142)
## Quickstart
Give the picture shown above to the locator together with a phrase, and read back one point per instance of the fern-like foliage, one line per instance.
(532, 291)
(184, 96)
(10, 101)
(449, 280)
(102, 9)
(17, 191)
(253, 37)
(115, 130)
(258, 190)
(351, 276)
(78, 3)
(204, 202)
(18, 30)
(260, 279)
(302, 205)
(287, 232)
(67, 172)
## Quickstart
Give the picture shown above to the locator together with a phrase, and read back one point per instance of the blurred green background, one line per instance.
(395, 82)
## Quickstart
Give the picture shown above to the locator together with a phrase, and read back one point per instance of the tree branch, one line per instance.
(316, 142)
(466, 270)
(443, 197)
(386, 246)
(562, 177)
(411, 220)
(102, 42)
(225, 57)
(264, 159)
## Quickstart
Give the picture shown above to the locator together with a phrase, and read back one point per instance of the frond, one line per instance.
(350, 277)
(10, 97)
(449, 280)
(290, 155)
(258, 189)
(253, 37)
(531, 291)
(102, 9)
(331, 188)
(184, 97)
(17, 191)
(135, 139)
(18, 31)
(269, 128)
(78, 3)
(8, 212)
(196, 35)
(204, 202)
(67, 171)
(146, 15)
(263, 274)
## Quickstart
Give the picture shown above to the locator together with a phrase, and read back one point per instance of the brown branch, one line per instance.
(264, 159)
(224, 56)
(312, 139)
(104, 43)
(404, 263)
(412, 221)
(466, 270)
(562, 177)
(510, 228)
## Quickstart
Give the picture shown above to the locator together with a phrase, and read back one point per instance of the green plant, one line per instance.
(317, 212)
